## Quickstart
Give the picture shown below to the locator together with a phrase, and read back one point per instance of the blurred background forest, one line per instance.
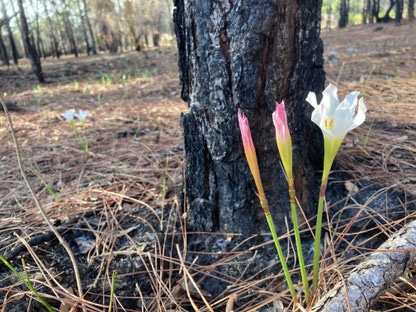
(61, 27)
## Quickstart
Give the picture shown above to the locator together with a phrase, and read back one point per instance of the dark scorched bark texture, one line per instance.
(246, 54)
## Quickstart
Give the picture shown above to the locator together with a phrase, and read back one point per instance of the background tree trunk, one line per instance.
(369, 12)
(343, 14)
(376, 10)
(84, 31)
(328, 13)
(18, 22)
(10, 34)
(247, 54)
(411, 10)
(39, 43)
(398, 17)
(364, 20)
(93, 46)
(55, 44)
(3, 51)
(33, 55)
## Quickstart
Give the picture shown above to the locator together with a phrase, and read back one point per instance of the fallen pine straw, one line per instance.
(374, 275)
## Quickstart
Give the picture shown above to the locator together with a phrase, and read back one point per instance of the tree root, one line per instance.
(374, 275)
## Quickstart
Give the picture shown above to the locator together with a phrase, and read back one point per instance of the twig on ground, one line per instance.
(374, 275)
(45, 217)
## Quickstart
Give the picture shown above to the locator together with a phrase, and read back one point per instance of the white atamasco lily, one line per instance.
(335, 119)
(69, 114)
(81, 115)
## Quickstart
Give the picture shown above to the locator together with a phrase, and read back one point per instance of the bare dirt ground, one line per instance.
(117, 205)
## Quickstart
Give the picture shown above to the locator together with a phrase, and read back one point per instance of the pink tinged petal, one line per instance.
(245, 130)
(280, 122)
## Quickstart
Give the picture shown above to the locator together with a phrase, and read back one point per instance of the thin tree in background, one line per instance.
(54, 43)
(15, 54)
(19, 24)
(376, 10)
(370, 12)
(94, 48)
(343, 14)
(328, 13)
(33, 55)
(364, 13)
(84, 32)
(398, 17)
(3, 51)
(62, 37)
(39, 43)
(69, 29)
(411, 9)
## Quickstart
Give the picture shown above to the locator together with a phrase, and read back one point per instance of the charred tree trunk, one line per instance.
(15, 54)
(246, 54)
(343, 14)
(55, 44)
(411, 9)
(33, 54)
(3, 52)
(93, 46)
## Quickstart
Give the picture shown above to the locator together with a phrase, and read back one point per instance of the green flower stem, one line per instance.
(281, 256)
(299, 250)
(318, 235)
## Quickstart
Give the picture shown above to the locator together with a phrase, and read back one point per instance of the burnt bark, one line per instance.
(31, 50)
(15, 54)
(246, 54)
(374, 275)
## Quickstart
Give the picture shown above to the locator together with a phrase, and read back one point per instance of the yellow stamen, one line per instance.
(331, 124)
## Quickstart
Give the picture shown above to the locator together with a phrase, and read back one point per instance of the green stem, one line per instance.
(281, 256)
(317, 241)
(300, 253)
(28, 285)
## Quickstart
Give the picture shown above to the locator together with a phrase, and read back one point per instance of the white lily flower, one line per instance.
(69, 114)
(81, 115)
(335, 119)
